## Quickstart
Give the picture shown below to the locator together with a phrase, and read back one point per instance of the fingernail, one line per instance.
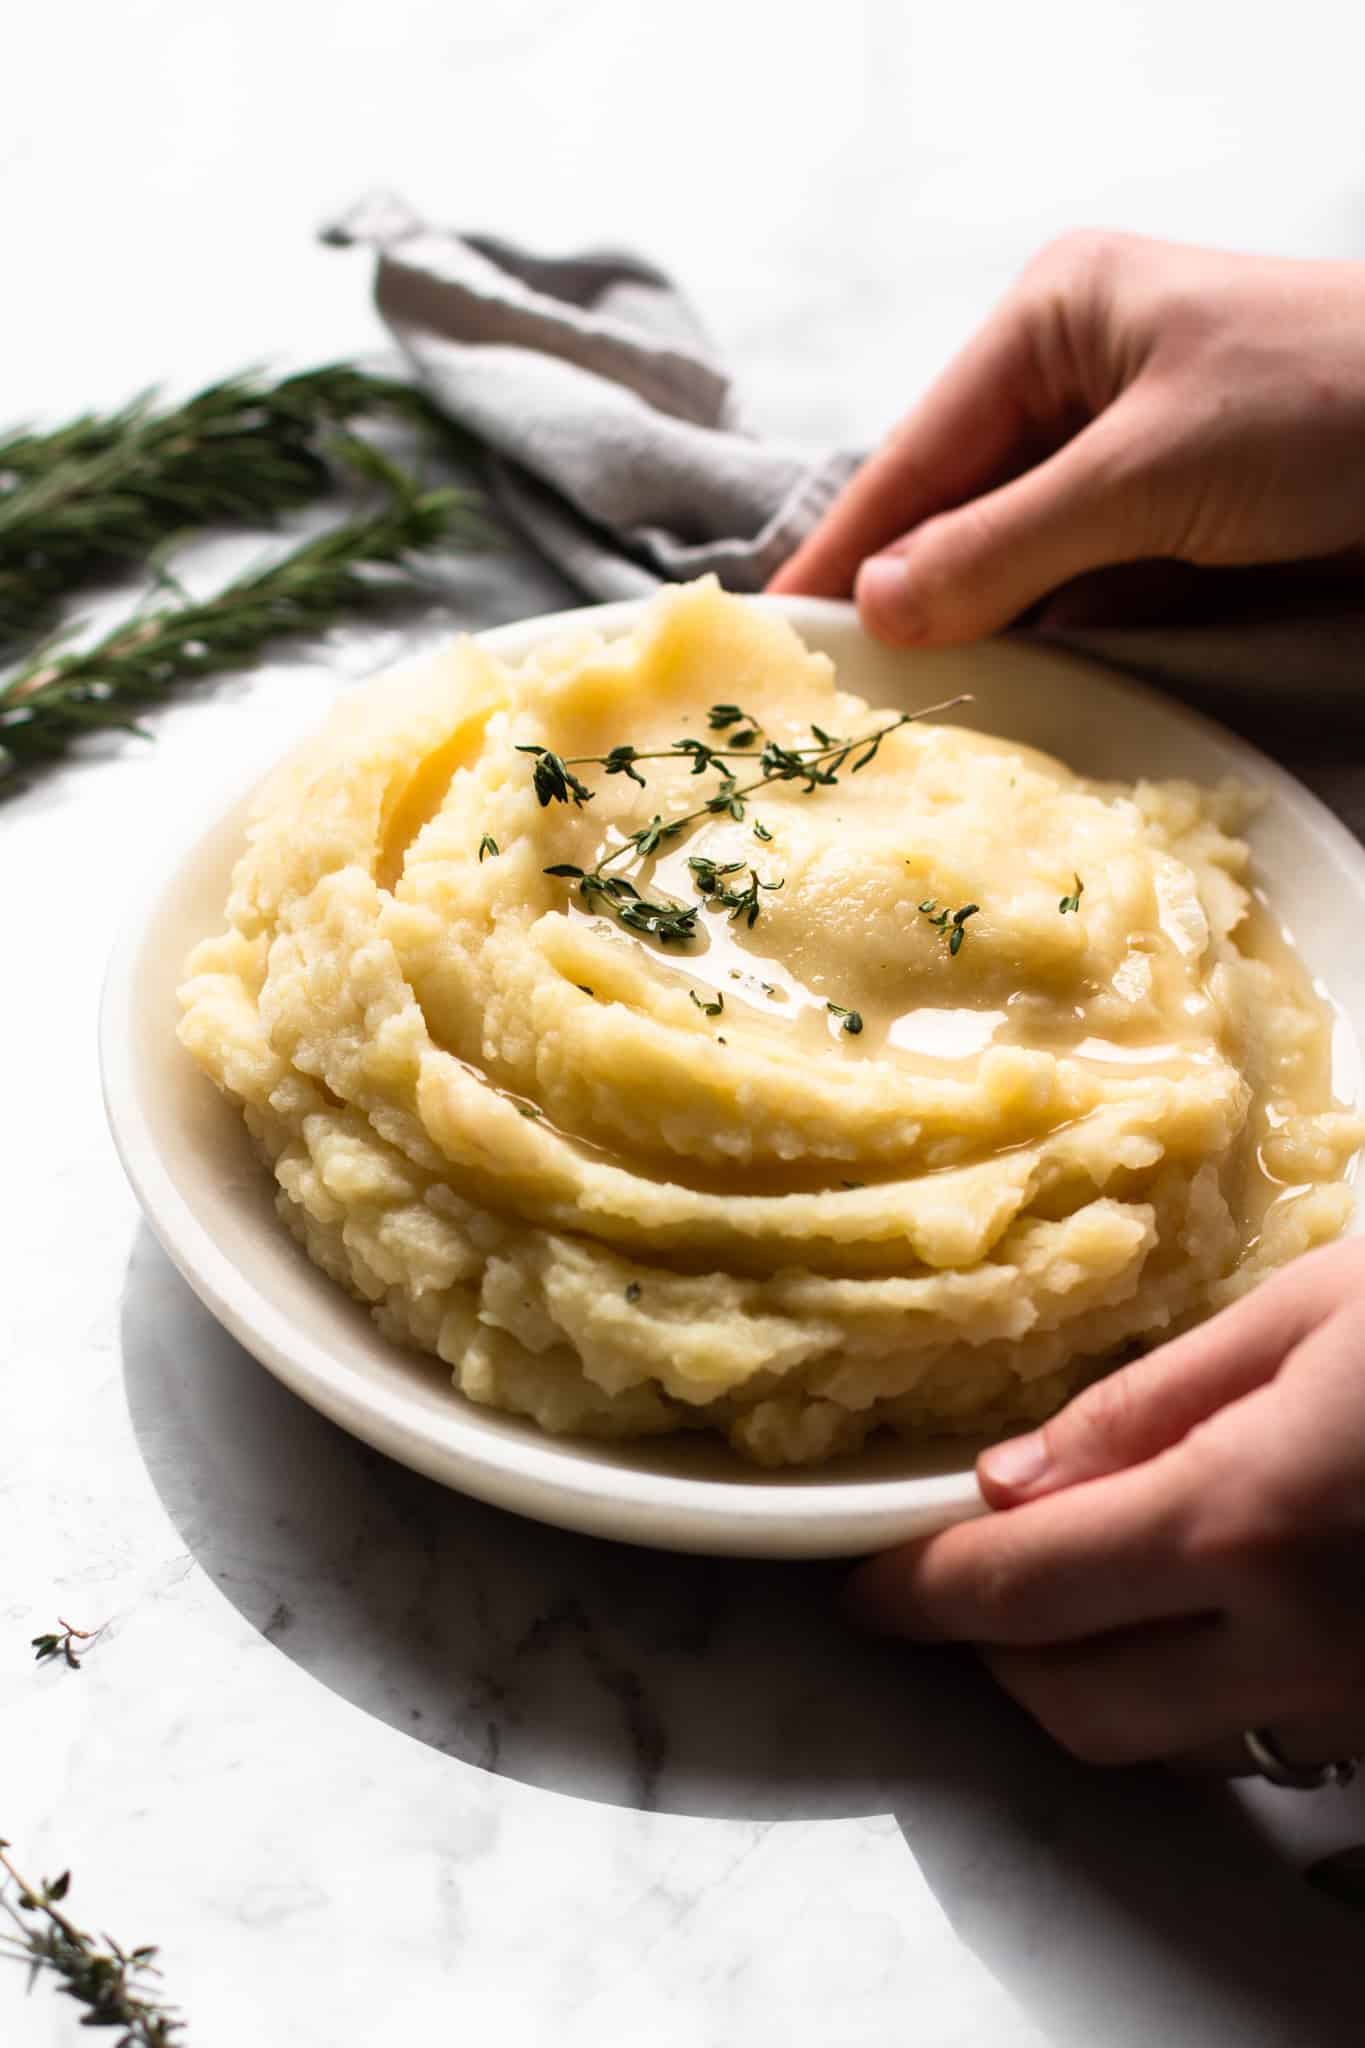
(1017, 1464)
(883, 594)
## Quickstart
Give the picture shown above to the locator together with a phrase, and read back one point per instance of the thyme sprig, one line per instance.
(1073, 901)
(108, 489)
(849, 1020)
(63, 1644)
(950, 924)
(816, 767)
(58, 695)
(116, 1985)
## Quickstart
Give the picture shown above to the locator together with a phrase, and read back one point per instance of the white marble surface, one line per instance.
(373, 1763)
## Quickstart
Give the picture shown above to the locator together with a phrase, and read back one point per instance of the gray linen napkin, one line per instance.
(619, 452)
(617, 445)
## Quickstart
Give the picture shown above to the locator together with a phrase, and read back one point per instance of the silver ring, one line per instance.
(1272, 1763)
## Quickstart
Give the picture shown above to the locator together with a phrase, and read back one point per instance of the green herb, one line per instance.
(527, 1109)
(45, 1647)
(116, 1985)
(583, 988)
(675, 924)
(708, 1009)
(851, 1021)
(109, 489)
(761, 831)
(553, 781)
(57, 696)
(740, 899)
(951, 924)
(634, 1291)
(488, 844)
(1073, 902)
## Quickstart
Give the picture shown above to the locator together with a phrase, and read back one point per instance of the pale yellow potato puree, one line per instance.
(526, 1137)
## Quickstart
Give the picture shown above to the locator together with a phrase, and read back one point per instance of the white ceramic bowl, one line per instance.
(209, 1200)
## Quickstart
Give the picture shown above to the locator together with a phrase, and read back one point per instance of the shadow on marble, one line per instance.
(728, 1689)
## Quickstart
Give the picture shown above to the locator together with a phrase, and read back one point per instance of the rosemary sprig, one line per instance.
(114, 1984)
(108, 489)
(817, 767)
(56, 696)
(48, 1646)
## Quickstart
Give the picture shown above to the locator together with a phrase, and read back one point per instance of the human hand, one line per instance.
(1130, 402)
(1180, 1554)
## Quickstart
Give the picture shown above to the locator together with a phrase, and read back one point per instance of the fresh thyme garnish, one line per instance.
(740, 899)
(712, 1009)
(107, 490)
(61, 1645)
(761, 831)
(58, 695)
(488, 844)
(1073, 902)
(634, 1291)
(816, 767)
(850, 1020)
(527, 1109)
(113, 1983)
(952, 924)
(553, 781)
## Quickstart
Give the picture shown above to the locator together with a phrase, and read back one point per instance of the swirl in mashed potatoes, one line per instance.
(624, 1188)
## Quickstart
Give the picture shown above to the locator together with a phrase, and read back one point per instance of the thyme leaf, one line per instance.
(45, 1647)
(117, 1986)
(950, 924)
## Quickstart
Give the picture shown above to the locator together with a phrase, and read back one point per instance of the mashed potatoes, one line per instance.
(906, 1098)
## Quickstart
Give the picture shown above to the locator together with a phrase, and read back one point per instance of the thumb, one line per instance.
(971, 571)
(1145, 1408)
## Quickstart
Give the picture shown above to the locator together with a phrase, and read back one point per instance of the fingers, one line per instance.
(971, 571)
(1168, 1691)
(1092, 1559)
(1146, 1407)
(1305, 1740)
(972, 426)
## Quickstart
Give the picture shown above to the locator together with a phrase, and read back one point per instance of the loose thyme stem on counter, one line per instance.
(817, 767)
(47, 1646)
(107, 489)
(114, 1984)
(56, 695)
